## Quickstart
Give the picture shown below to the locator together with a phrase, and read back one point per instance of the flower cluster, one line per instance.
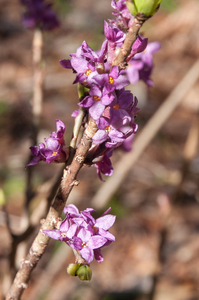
(105, 98)
(55, 149)
(39, 14)
(82, 232)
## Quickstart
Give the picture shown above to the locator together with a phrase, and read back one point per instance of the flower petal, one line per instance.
(54, 233)
(105, 222)
(96, 241)
(87, 254)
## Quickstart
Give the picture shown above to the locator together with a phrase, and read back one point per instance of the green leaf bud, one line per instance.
(84, 273)
(131, 7)
(72, 269)
(147, 7)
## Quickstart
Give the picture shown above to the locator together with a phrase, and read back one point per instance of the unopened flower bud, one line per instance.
(81, 90)
(84, 273)
(147, 7)
(100, 68)
(72, 269)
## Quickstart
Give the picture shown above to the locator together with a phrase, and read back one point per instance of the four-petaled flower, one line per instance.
(82, 232)
(55, 149)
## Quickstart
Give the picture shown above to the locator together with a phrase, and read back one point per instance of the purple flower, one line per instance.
(104, 166)
(114, 35)
(75, 113)
(85, 61)
(115, 39)
(82, 232)
(88, 243)
(59, 134)
(124, 19)
(35, 151)
(147, 55)
(64, 234)
(107, 133)
(39, 14)
(127, 144)
(74, 216)
(98, 99)
(133, 70)
(138, 46)
(103, 224)
(141, 66)
(55, 149)
(114, 78)
(118, 108)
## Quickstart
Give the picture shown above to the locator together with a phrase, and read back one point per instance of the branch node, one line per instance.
(66, 171)
(42, 221)
(79, 159)
(123, 65)
(56, 222)
(23, 261)
(74, 183)
(23, 285)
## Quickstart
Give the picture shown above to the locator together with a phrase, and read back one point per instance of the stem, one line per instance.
(130, 39)
(36, 102)
(69, 176)
(37, 99)
(39, 245)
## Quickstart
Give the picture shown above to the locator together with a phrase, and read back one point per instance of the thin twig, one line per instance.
(41, 240)
(37, 99)
(190, 151)
(132, 35)
(68, 181)
(121, 170)
(36, 110)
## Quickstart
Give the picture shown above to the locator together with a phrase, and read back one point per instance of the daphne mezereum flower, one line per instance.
(124, 18)
(81, 231)
(85, 61)
(55, 149)
(104, 166)
(104, 98)
(113, 77)
(115, 38)
(98, 99)
(141, 65)
(39, 14)
(107, 133)
(119, 106)
(138, 46)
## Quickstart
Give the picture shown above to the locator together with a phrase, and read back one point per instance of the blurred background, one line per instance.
(155, 255)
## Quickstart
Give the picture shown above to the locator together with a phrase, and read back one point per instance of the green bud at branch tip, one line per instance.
(84, 273)
(147, 7)
(72, 269)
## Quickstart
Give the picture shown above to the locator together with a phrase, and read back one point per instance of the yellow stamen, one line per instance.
(88, 72)
(63, 234)
(116, 106)
(107, 128)
(111, 80)
(96, 98)
(95, 229)
(54, 153)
